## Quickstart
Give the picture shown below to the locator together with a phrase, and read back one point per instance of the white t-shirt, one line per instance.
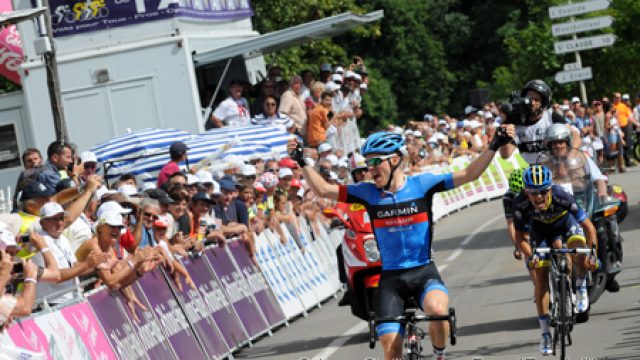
(78, 232)
(233, 113)
(65, 258)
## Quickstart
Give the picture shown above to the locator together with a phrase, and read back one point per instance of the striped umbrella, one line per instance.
(249, 142)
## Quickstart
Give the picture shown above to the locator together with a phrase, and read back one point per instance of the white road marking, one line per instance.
(360, 326)
(338, 342)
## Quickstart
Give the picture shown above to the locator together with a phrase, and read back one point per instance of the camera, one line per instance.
(25, 238)
(517, 109)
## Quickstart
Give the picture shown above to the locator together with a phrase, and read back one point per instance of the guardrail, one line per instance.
(234, 302)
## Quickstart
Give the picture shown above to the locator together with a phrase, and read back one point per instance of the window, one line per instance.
(9, 152)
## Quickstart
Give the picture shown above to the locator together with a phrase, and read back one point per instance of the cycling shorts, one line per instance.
(544, 235)
(397, 286)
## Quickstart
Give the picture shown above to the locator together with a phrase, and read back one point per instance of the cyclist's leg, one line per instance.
(538, 238)
(576, 239)
(390, 304)
(434, 300)
(525, 247)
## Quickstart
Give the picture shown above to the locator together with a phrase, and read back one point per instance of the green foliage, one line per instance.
(379, 104)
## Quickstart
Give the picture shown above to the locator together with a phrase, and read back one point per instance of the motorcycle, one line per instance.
(362, 265)
(571, 171)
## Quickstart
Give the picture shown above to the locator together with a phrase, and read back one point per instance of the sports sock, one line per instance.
(581, 282)
(544, 323)
(439, 352)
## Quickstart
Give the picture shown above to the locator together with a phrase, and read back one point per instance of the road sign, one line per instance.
(591, 42)
(574, 27)
(571, 66)
(577, 8)
(563, 77)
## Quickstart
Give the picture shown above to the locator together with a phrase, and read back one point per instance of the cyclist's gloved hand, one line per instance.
(500, 138)
(532, 262)
(594, 262)
(517, 254)
(297, 154)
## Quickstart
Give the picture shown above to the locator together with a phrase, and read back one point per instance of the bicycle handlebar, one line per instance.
(562, 251)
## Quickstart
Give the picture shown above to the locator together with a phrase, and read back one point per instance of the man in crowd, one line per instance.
(60, 155)
(233, 111)
(292, 106)
(178, 153)
(31, 160)
(624, 117)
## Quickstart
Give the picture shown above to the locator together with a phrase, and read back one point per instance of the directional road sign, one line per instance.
(563, 77)
(571, 66)
(586, 43)
(577, 8)
(574, 27)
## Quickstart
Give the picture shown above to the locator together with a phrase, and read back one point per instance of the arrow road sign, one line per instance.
(591, 42)
(574, 27)
(563, 77)
(577, 8)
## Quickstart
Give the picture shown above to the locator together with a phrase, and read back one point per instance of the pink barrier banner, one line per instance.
(261, 291)
(10, 48)
(72, 333)
(237, 291)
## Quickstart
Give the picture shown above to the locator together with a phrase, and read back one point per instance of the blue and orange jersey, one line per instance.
(402, 221)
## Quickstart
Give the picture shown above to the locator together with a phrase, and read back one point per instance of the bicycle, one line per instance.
(561, 314)
(414, 334)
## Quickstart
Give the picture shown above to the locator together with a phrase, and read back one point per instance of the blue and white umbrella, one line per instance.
(248, 142)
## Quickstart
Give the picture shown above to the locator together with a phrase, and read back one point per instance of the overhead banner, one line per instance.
(69, 17)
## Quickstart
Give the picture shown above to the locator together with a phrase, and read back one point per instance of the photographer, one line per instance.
(528, 112)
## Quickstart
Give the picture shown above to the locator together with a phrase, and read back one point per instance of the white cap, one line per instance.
(488, 114)
(324, 147)
(417, 133)
(480, 113)
(102, 191)
(397, 130)
(216, 188)
(204, 176)
(147, 185)
(111, 206)
(128, 189)
(442, 122)
(331, 86)
(364, 86)
(575, 99)
(466, 123)
(88, 156)
(339, 69)
(342, 163)
(469, 109)
(11, 222)
(466, 133)
(284, 171)
(112, 218)
(7, 239)
(357, 77)
(408, 132)
(192, 179)
(333, 159)
(248, 170)
(51, 209)
(564, 107)
(625, 96)
(474, 124)
(336, 77)
(349, 74)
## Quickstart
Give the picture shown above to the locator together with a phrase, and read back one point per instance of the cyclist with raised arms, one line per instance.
(516, 184)
(400, 210)
(555, 220)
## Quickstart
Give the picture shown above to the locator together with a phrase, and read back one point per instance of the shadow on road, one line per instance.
(520, 324)
(495, 282)
(305, 346)
(515, 349)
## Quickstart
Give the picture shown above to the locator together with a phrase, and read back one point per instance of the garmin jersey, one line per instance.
(530, 138)
(562, 205)
(402, 221)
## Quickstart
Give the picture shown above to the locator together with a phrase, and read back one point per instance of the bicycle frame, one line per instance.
(561, 315)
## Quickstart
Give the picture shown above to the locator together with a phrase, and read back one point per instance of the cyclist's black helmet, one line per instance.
(540, 87)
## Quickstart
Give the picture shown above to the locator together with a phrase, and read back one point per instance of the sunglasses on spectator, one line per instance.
(272, 170)
(148, 214)
(378, 160)
(533, 192)
(360, 171)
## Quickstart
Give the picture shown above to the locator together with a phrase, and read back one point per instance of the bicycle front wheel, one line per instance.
(564, 316)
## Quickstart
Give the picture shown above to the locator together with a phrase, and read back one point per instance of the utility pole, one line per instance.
(53, 80)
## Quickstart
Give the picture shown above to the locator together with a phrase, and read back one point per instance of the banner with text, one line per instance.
(74, 17)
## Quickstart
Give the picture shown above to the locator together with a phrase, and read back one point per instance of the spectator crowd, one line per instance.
(71, 231)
